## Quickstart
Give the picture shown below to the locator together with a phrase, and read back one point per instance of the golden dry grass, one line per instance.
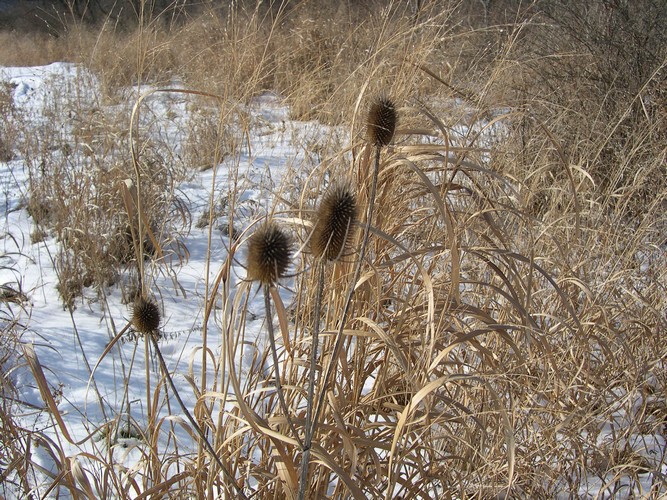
(508, 305)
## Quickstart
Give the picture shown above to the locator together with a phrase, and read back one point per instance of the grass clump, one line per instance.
(8, 127)
(77, 194)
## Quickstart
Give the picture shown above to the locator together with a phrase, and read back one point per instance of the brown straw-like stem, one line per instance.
(269, 255)
(192, 421)
(380, 131)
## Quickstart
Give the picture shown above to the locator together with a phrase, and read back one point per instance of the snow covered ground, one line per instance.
(68, 346)
(279, 152)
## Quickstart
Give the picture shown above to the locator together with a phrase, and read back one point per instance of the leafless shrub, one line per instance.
(592, 82)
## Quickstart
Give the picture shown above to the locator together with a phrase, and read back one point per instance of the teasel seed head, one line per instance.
(269, 254)
(145, 316)
(334, 223)
(381, 124)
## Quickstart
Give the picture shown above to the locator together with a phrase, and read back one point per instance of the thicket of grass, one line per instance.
(509, 309)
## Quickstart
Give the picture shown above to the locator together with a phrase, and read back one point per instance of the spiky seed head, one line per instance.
(334, 222)
(269, 254)
(145, 316)
(382, 118)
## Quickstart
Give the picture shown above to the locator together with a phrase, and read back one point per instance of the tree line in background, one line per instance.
(599, 58)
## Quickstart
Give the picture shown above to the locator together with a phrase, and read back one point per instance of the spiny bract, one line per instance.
(381, 123)
(269, 254)
(335, 219)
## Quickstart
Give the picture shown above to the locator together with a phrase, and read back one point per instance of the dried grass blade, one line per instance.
(80, 477)
(281, 312)
(388, 341)
(455, 274)
(42, 384)
(329, 462)
(433, 148)
(403, 422)
(163, 487)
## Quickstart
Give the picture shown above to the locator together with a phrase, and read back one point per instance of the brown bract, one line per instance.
(336, 216)
(269, 254)
(381, 125)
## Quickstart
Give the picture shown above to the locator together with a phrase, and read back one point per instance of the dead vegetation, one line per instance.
(494, 325)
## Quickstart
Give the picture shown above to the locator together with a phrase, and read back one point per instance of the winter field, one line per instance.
(417, 273)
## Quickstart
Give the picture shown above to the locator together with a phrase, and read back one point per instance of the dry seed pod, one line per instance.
(336, 216)
(145, 316)
(269, 254)
(381, 124)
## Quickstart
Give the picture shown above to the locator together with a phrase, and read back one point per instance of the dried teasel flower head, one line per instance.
(269, 254)
(334, 222)
(381, 124)
(145, 316)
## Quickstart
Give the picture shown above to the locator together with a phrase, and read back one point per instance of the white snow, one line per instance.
(69, 346)
(280, 152)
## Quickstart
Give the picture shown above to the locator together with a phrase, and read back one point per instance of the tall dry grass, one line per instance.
(500, 333)
(15, 439)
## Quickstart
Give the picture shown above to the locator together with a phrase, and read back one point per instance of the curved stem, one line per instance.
(192, 421)
(276, 365)
(308, 438)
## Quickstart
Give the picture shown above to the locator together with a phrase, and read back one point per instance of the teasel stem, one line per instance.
(193, 422)
(312, 380)
(331, 235)
(138, 241)
(276, 363)
(339, 335)
(269, 255)
(348, 300)
(381, 127)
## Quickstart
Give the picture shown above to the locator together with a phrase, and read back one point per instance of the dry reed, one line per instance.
(495, 329)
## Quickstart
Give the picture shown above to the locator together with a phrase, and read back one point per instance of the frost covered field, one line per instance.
(69, 339)
(491, 324)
